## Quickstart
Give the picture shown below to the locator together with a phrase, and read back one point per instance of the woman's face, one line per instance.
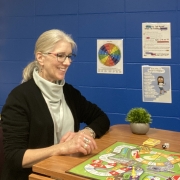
(52, 70)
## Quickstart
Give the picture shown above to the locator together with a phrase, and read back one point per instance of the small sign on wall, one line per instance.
(156, 40)
(156, 84)
(110, 56)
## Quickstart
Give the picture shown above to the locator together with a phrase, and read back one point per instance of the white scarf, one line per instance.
(60, 112)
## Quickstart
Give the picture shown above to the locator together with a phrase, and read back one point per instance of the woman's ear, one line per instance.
(40, 58)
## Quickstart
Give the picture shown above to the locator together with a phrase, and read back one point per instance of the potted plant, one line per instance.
(139, 119)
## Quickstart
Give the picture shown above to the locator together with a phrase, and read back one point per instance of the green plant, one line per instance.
(138, 115)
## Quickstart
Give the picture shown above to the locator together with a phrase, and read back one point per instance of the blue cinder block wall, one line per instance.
(21, 22)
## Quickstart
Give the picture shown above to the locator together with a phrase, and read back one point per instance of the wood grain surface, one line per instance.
(56, 166)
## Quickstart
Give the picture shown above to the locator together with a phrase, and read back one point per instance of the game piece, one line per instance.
(164, 146)
(167, 145)
(133, 174)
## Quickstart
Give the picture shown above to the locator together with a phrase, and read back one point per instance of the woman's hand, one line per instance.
(68, 136)
(77, 142)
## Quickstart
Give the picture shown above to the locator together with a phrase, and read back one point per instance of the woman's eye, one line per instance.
(61, 55)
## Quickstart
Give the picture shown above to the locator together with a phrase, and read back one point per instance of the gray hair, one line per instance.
(45, 43)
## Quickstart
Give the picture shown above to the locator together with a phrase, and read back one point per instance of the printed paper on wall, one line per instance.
(110, 56)
(156, 84)
(156, 40)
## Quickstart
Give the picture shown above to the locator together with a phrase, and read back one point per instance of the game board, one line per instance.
(124, 161)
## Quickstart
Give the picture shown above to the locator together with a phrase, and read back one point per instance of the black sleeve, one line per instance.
(85, 111)
(15, 130)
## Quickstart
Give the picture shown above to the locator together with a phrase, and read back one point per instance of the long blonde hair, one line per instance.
(45, 43)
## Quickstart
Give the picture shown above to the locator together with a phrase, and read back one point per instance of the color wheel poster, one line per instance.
(156, 40)
(110, 56)
(156, 84)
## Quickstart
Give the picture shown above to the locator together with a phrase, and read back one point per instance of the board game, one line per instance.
(124, 161)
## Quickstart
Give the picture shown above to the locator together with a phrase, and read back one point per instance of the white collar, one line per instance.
(53, 92)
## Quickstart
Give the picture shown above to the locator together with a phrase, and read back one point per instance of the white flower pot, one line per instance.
(139, 128)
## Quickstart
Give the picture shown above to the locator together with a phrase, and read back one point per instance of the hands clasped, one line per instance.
(77, 142)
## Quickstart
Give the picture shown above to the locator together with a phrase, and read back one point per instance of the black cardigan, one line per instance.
(27, 124)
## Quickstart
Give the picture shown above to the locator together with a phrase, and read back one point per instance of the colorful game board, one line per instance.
(123, 161)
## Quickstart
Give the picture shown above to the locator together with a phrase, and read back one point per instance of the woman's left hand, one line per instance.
(77, 142)
(68, 136)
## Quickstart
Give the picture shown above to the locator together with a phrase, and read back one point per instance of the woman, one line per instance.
(42, 116)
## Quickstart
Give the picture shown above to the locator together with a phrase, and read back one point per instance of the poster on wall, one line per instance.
(156, 40)
(110, 56)
(156, 84)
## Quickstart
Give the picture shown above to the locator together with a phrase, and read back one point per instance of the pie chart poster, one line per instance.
(110, 56)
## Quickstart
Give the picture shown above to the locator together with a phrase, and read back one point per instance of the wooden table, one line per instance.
(56, 166)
